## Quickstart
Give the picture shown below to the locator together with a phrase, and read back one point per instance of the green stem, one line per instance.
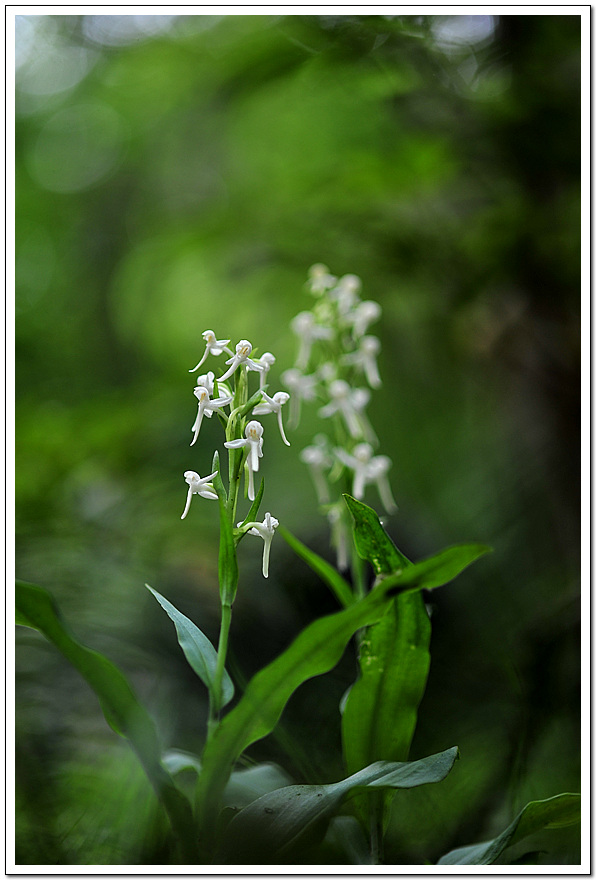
(222, 651)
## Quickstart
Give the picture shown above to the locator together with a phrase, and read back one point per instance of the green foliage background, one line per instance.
(178, 173)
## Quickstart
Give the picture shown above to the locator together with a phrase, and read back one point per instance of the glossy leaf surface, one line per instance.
(380, 713)
(372, 541)
(276, 823)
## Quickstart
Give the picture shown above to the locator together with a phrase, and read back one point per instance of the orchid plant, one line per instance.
(258, 815)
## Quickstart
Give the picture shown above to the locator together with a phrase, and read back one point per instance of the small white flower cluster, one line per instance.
(335, 354)
(213, 396)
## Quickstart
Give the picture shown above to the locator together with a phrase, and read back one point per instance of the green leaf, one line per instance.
(380, 713)
(279, 822)
(37, 609)
(555, 812)
(372, 541)
(314, 651)
(197, 648)
(381, 709)
(436, 571)
(320, 566)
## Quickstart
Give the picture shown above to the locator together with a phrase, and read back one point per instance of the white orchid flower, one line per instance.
(305, 326)
(377, 473)
(364, 359)
(198, 485)
(364, 314)
(266, 531)
(266, 361)
(345, 294)
(350, 403)
(212, 346)
(368, 469)
(241, 358)
(207, 407)
(320, 279)
(254, 440)
(318, 460)
(301, 388)
(273, 405)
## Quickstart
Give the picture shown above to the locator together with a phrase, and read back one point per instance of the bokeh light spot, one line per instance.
(78, 147)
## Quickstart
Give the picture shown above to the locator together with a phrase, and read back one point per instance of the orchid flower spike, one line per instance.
(242, 357)
(350, 403)
(364, 359)
(368, 469)
(320, 279)
(274, 405)
(212, 346)
(364, 314)
(318, 460)
(198, 485)
(266, 361)
(266, 531)
(206, 408)
(302, 388)
(254, 440)
(306, 328)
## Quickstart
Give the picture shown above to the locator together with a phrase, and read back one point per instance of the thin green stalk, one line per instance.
(222, 650)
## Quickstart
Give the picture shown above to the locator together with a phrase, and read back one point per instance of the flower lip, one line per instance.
(254, 430)
(244, 348)
(201, 392)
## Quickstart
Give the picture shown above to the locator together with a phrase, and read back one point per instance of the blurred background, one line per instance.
(176, 173)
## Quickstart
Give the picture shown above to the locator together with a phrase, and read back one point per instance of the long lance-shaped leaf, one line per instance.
(197, 648)
(37, 609)
(380, 713)
(381, 710)
(320, 566)
(555, 812)
(277, 823)
(315, 650)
